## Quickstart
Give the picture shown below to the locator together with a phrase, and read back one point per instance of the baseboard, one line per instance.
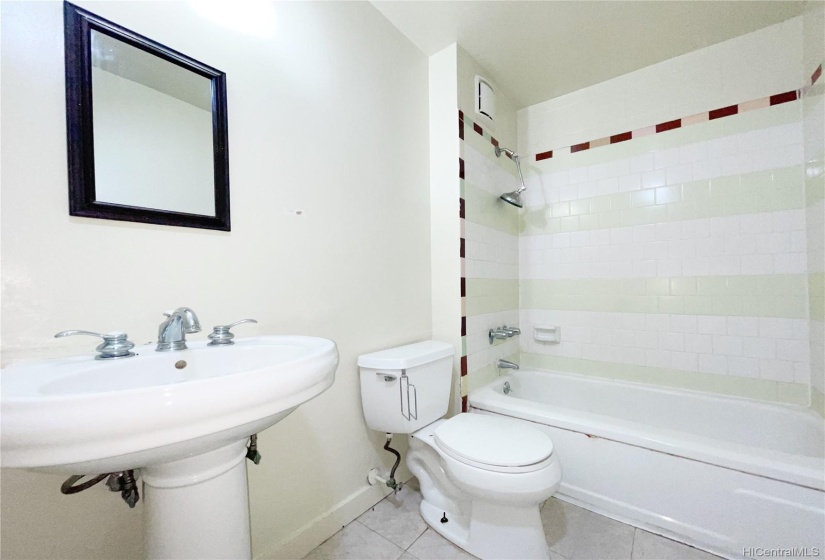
(305, 539)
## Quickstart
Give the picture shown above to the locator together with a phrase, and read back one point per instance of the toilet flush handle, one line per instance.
(387, 376)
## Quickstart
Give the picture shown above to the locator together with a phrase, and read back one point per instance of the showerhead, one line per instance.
(514, 197)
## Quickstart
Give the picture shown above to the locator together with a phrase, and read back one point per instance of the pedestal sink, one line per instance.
(181, 417)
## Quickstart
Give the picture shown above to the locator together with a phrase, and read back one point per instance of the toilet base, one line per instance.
(489, 528)
(484, 535)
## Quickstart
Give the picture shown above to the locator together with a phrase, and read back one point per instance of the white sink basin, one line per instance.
(82, 416)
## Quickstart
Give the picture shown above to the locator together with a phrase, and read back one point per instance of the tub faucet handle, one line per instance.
(511, 331)
(497, 334)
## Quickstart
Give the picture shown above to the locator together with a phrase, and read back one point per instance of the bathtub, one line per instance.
(736, 477)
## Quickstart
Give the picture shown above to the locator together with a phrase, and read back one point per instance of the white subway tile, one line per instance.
(672, 341)
(743, 326)
(699, 343)
(743, 367)
(710, 363)
(727, 345)
(709, 324)
(686, 361)
(792, 350)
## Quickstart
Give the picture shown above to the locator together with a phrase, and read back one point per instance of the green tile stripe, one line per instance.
(486, 209)
(709, 130)
(491, 295)
(761, 191)
(482, 145)
(816, 296)
(779, 295)
(817, 402)
(776, 391)
(815, 189)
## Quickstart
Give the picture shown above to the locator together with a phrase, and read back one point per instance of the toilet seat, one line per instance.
(493, 443)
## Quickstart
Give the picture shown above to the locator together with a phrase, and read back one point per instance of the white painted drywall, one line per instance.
(327, 116)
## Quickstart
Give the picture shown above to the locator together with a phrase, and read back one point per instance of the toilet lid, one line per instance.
(493, 440)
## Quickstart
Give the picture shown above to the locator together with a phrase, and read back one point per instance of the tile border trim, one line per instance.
(761, 103)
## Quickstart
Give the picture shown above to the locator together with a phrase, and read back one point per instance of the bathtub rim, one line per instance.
(800, 470)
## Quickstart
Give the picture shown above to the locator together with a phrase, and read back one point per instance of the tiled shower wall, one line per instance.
(813, 122)
(491, 252)
(678, 254)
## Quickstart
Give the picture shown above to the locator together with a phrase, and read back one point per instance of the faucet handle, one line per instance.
(116, 344)
(221, 336)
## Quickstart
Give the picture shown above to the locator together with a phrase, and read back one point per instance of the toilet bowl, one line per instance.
(483, 478)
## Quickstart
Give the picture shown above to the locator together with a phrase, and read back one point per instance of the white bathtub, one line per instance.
(736, 477)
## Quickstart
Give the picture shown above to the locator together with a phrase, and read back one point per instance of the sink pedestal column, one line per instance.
(198, 507)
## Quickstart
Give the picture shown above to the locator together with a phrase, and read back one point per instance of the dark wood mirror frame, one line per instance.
(82, 200)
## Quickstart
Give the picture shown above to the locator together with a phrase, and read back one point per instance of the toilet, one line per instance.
(483, 477)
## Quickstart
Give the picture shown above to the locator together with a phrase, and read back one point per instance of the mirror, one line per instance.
(147, 132)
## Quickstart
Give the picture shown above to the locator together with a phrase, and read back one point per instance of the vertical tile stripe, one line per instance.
(463, 366)
(460, 168)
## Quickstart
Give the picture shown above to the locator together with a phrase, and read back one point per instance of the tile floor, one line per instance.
(394, 530)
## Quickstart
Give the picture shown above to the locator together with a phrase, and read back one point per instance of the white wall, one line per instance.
(328, 116)
(765, 62)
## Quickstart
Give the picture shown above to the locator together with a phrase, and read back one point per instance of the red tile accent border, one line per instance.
(722, 112)
(464, 405)
(461, 208)
(460, 128)
(460, 168)
(784, 97)
(463, 366)
(493, 141)
(461, 248)
(616, 138)
(464, 326)
(460, 115)
(463, 287)
(669, 125)
(478, 129)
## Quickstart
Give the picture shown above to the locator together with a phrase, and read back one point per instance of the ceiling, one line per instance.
(542, 49)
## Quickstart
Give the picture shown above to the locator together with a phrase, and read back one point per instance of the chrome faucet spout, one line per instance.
(172, 332)
(505, 364)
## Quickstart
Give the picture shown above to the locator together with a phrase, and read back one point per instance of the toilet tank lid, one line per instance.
(404, 357)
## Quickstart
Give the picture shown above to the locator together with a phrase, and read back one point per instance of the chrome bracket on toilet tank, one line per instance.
(405, 383)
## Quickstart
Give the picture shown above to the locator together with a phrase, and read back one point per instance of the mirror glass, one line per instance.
(152, 130)
(147, 128)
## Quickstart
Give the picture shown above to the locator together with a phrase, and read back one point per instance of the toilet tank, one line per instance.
(405, 388)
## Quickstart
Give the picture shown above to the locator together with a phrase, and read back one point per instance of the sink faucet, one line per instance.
(172, 332)
(504, 364)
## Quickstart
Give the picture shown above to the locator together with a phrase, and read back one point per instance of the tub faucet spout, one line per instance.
(504, 364)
